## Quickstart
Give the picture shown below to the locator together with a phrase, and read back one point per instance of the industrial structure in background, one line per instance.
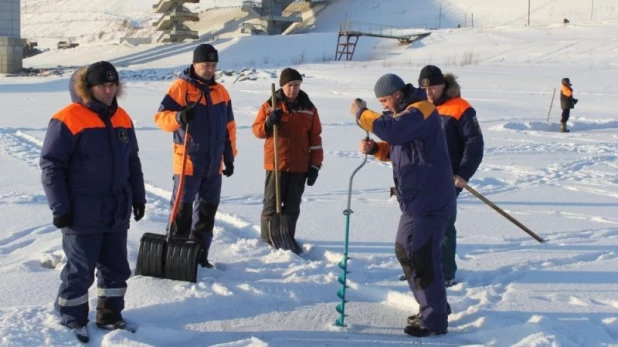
(171, 24)
(11, 44)
(270, 16)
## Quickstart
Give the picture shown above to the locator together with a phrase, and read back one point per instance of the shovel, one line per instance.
(280, 225)
(169, 256)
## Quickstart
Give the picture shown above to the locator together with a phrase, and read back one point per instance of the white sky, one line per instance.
(512, 292)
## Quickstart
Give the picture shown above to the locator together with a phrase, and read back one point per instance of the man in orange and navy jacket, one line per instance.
(465, 145)
(415, 145)
(92, 177)
(196, 100)
(299, 145)
(567, 102)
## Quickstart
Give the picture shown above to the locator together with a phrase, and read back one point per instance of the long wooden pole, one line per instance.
(276, 150)
(503, 213)
(551, 104)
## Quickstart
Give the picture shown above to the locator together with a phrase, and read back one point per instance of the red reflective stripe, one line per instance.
(454, 108)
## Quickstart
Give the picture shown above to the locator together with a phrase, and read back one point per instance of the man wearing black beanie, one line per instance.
(465, 145)
(299, 128)
(82, 143)
(196, 103)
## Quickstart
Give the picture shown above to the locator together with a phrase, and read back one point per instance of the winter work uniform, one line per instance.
(416, 146)
(465, 147)
(212, 142)
(567, 102)
(299, 146)
(92, 177)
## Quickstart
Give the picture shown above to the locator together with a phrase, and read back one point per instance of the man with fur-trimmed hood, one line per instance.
(465, 145)
(92, 177)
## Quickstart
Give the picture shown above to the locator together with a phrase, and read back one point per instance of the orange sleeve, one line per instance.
(173, 102)
(384, 151)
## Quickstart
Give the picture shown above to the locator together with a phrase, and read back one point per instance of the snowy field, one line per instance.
(513, 291)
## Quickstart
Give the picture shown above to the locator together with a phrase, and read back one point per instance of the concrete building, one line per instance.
(11, 45)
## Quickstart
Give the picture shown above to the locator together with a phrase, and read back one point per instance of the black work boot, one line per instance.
(418, 330)
(414, 319)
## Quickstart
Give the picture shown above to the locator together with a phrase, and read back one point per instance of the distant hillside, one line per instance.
(105, 21)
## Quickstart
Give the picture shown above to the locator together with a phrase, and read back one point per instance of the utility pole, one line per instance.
(528, 12)
(591, 10)
(440, 17)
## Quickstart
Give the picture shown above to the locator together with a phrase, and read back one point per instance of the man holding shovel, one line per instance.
(295, 122)
(197, 101)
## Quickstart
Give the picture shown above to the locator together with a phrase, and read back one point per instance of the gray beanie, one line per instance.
(387, 85)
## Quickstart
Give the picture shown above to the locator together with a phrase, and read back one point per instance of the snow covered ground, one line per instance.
(513, 291)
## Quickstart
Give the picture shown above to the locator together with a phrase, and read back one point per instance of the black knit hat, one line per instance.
(387, 85)
(101, 72)
(430, 76)
(289, 75)
(566, 81)
(205, 53)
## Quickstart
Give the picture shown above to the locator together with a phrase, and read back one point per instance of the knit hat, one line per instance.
(101, 72)
(205, 53)
(289, 75)
(566, 81)
(387, 85)
(430, 76)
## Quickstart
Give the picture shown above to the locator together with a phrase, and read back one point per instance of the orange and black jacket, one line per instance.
(212, 134)
(461, 127)
(300, 140)
(90, 166)
(566, 97)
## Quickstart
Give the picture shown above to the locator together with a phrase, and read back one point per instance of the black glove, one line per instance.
(274, 118)
(66, 220)
(575, 101)
(139, 210)
(374, 148)
(229, 169)
(312, 175)
(186, 115)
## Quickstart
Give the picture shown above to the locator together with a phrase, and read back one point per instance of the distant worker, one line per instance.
(567, 102)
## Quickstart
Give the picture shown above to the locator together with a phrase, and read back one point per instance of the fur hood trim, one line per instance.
(82, 92)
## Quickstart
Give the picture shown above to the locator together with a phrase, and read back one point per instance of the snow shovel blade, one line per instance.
(182, 259)
(151, 255)
(280, 231)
